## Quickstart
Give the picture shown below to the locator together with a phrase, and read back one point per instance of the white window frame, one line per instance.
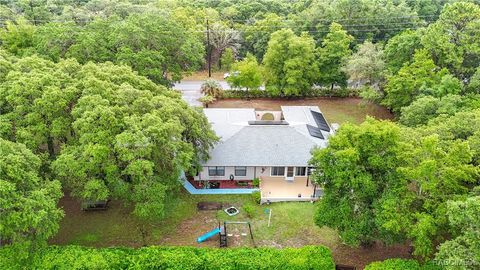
(292, 177)
(304, 173)
(216, 170)
(271, 171)
(235, 170)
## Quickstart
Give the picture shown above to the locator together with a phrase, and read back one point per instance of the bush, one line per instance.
(156, 257)
(256, 182)
(249, 210)
(401, 264)
(212, 88)
(257, 197)
(316, 92)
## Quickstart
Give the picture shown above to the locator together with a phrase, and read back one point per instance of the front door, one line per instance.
(290, 171)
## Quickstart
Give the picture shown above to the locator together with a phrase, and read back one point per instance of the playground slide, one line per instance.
(208, 235)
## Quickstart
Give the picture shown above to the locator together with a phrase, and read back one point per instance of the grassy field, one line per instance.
(336, 110)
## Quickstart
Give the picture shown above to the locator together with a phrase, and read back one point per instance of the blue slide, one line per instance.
(208, 235)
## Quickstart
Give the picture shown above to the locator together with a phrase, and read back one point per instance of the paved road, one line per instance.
(191, 90)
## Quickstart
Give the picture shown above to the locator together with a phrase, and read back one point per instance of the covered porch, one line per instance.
(277, 189)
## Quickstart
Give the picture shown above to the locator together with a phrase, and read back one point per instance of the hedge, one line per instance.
(401, 264)
(155, 257)
(315, 92)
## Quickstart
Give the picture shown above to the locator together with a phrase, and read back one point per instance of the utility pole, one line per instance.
(209, 48)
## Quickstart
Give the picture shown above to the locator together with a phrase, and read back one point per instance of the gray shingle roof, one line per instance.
(262, 145)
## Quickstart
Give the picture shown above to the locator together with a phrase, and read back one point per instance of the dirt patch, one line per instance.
(336, 110)
(202, 206)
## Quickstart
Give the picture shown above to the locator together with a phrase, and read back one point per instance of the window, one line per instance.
(240, 171)
(310, 170)
(300, 171)
(216, 171)
(277, 171)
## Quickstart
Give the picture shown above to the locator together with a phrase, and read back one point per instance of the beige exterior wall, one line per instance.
(273, 188)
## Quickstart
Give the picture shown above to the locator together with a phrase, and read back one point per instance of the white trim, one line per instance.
(306, 168)
(290, 178)
(235, 170)
(284, 171)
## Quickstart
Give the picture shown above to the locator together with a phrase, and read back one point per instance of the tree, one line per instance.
(206, 100)
(454, 40)
(387, 183)
(158, 47)
(366, 65)
(54, 39)
(29, 213)
(426, 108)
(211, 88)
(258, 34)
(474, 84)
(332, 55)
(356, 168)
(400, 49)
(419, 76)
(227, 59)
(290, 63)
(35, 101)
(366, 19)
(432, 172)
(246, 74)
(464, 249)
(107, 131)
(17, 38)
(222, 38)
(130, 138)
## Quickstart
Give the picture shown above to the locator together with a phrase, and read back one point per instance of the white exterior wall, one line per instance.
(252, 172)
(203, 175)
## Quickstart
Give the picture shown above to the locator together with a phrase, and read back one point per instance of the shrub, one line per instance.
(401, 264)
(205, 100)
(256, 182)
(257, 197)
(315, 92)
(249, 210)
(156, 257)
(212, 88)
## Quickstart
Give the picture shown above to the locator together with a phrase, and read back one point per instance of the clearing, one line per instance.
(336, 110)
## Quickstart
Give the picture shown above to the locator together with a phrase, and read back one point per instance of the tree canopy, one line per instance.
(28, 201)
(290, 64)
(107, 131)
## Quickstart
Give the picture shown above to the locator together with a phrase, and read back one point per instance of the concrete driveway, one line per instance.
(191, 90)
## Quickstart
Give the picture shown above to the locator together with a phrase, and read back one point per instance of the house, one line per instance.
(277, 151)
